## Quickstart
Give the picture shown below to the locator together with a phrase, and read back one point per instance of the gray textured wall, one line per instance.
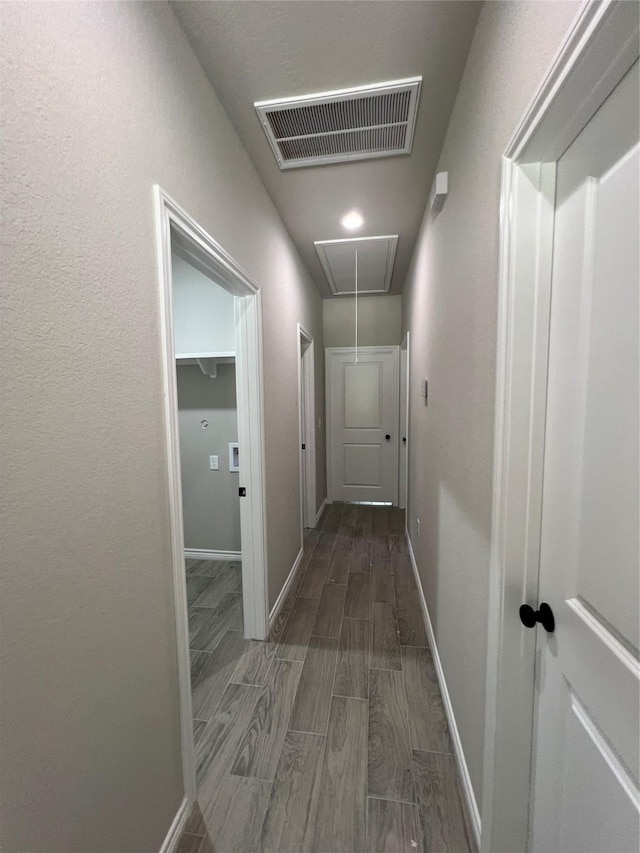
(99, 102)
(379, 321)
(210, 501)
(450, 307)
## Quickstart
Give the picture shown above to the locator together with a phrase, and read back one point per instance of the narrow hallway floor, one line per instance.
(331, 736)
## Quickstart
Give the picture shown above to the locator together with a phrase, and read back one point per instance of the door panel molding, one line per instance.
(598, 51)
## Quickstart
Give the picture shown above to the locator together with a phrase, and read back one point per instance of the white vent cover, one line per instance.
(376, 256)
(335, 127)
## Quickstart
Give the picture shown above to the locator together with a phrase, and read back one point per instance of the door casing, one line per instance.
(597, 53)
(172, 222)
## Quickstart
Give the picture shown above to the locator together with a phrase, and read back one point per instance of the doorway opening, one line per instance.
(212, 369)
(307, 418)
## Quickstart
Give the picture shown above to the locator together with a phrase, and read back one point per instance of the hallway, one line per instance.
(331, 737)
(452, 185)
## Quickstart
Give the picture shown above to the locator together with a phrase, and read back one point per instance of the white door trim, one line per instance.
(173, 221)
(328, 352)
(307, 414)
(598, 51)
(173, 836)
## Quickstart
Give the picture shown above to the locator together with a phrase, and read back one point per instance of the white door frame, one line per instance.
(598, 51)
(307, 436)
(403, 493)
(328, 352)
(172, 222)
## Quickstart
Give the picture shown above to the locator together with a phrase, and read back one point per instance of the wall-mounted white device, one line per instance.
(213, 463)
(234, 458)
(439, 192)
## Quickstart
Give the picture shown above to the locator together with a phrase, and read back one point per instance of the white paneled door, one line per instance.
(403, 448)
(587, 751)
(362, 424)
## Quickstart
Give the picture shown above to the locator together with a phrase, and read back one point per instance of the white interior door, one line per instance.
(306, 403)
(404, 423)
(362, 434)
(303, 442)
(586, 734)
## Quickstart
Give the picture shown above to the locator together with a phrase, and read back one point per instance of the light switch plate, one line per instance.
(213, 463)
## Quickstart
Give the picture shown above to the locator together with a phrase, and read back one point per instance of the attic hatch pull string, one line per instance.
(356, 361)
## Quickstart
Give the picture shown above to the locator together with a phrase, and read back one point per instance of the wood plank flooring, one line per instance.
(331, 736)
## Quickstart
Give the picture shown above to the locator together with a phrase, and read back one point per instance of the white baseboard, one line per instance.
(473, 811)
(198, 554)
(170, 843)
(319, 513)
(285, 590)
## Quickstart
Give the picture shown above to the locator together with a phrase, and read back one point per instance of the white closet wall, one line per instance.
(202, 312)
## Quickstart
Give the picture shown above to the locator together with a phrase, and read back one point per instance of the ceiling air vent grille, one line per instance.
(376, 256)
(334, 127)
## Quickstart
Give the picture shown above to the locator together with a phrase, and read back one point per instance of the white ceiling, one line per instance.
(255, 50)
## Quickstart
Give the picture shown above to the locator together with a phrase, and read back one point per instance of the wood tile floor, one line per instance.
(331, 736)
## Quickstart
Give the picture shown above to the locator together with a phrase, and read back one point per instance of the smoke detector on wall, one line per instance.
(340, 126)
(439, 192)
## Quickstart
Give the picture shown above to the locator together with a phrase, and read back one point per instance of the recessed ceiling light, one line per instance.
(352, 221)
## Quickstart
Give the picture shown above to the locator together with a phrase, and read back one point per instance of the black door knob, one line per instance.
(529, 617)
(387, 436)
(404, 438)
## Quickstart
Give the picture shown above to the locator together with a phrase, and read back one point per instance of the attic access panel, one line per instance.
(337, 127)
(376, 256)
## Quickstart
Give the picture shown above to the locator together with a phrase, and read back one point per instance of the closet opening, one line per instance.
(212, 366)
